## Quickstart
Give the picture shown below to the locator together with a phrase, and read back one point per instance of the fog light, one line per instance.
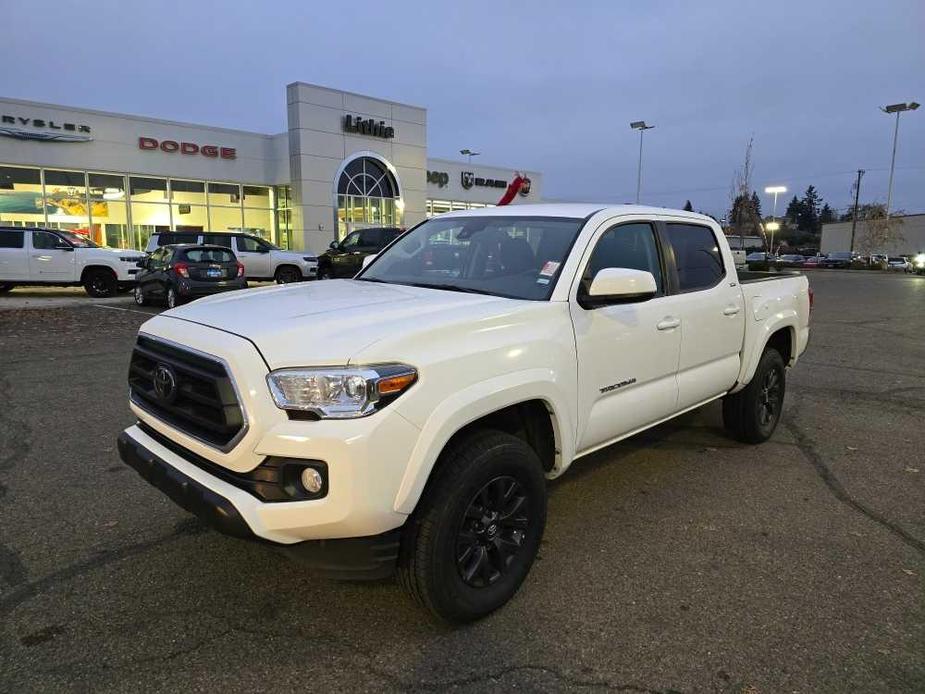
(311, 480)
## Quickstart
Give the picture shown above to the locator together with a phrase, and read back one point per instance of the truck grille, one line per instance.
(188, 390)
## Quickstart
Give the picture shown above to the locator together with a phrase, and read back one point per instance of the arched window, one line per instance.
(368, 178)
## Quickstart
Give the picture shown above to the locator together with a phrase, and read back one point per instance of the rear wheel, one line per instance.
(752, 414)
(139, 296)
(171, 299)
(5, 287)
(287, 274)
(477, 529)
(100, 283)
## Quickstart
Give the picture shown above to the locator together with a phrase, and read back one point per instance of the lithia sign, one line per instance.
(43, 130)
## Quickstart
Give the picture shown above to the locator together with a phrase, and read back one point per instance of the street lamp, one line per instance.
(897, 109)
(773, 226)
(469, 154)
(641, 126)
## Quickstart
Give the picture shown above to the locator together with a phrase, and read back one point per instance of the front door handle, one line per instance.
(668, 323)
(731, 310)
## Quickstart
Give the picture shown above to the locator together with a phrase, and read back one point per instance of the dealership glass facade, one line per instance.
(367, 196)
(122, 210)
(435, 207)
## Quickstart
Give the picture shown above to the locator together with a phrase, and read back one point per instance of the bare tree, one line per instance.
(743, 215)
(880, 231)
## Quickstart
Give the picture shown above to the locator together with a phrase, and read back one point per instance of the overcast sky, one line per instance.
(539, 85)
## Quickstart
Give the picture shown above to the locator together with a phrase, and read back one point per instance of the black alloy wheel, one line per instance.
(752, 414)
(100, 283)
(287, 275)
(492, 531)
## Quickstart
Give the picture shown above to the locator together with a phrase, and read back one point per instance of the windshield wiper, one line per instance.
(449, 288)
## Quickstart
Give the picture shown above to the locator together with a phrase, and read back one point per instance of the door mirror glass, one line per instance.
(333, 245)
(615, 285)
(368, 259)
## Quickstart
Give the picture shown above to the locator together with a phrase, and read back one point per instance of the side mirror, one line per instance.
(333, 245)
(368, 259)
(618, 285)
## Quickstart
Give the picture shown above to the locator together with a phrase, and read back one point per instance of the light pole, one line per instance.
(773, 225)
(641, 126)
(897, 109)
(469, 154)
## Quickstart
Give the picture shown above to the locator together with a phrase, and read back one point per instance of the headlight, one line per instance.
(309, 258)
(919, 260)
(339, 393)
(131, 258)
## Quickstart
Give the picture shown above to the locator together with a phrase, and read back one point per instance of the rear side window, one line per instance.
(11, 239)
(170, 239)
(369, 237)
(696, 253)
(208, 255)
(389, 235)
(218, 240)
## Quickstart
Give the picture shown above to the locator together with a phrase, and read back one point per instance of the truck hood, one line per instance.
(328, 322)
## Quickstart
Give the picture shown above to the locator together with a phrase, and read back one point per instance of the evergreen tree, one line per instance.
(688, 207)
(808, 219)
(826, 215)
(794, 209)
(756, 203)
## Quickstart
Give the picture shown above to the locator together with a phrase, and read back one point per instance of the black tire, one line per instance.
(487, 498)
(5, 287)
(287, 274)
(100, 283)
(752, 414)
(171, 298)
(325, 273)
(138, 295)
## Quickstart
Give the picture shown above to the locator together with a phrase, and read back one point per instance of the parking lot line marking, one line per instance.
(117, 308)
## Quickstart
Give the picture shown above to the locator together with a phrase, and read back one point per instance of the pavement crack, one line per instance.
(838, 490)
(16, 436)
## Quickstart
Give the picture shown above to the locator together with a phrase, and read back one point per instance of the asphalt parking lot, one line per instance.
(677, 560)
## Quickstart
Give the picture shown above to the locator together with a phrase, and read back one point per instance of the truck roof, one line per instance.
(573, 210)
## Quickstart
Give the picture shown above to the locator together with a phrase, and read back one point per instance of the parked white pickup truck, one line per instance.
(54, 257)
(409, 417)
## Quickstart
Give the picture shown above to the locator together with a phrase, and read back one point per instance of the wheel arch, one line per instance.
(534, 414)
(780, 335)
(93, 267)
(285, 265)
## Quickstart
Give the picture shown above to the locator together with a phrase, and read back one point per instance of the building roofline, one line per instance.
(362, 96)
(131, 116)
(487, 166)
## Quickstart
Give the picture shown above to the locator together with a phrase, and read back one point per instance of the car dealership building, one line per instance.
(346, 161)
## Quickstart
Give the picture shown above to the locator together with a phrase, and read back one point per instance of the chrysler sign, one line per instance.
(173, 146)
(48, 130)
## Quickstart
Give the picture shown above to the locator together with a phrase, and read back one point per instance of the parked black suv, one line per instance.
(174, 274)
(345, 258)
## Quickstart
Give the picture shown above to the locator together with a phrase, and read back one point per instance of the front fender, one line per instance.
(476, 401)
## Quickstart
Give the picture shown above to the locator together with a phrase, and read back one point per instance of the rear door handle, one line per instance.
(669, 323)
(731, 310)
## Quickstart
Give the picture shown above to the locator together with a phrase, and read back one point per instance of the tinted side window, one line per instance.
(248, 245)
(696, 252)
(11, 239)
(209, 255)
(369, 238)
(389, 235)
(218, 240)
(628, 245)
(44, 240)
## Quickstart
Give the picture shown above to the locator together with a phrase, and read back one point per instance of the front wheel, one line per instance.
(325, 273)
(172, 299)
(5, 287)
(752, 414)
(139, 296)
(100, 284)
(477, 529)
(287, 275)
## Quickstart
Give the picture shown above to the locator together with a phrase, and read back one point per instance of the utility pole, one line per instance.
(854, 217)
(897, 109)
(641, 126)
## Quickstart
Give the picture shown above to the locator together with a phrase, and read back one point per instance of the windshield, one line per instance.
(515, 257)
(78, 240)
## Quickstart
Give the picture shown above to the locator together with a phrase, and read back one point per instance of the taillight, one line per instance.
(812, 296)
(181, 269)
(240, 269)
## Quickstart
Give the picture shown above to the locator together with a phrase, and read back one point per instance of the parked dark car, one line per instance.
(841, 260)
(791, 260)
(179, 273)
(345, 258)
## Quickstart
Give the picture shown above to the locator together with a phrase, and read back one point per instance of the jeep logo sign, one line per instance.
(172, 146)
(441, 178)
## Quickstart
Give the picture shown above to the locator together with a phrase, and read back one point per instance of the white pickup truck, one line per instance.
(53, 257)
(408, 418)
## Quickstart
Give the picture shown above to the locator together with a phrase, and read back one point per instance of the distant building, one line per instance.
(837, 237)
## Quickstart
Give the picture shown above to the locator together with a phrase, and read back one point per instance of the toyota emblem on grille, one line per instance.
(165, 382)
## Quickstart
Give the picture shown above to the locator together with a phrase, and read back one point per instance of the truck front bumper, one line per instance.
(369, 557)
